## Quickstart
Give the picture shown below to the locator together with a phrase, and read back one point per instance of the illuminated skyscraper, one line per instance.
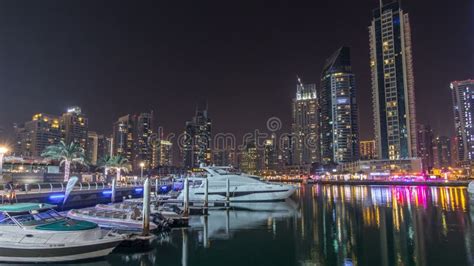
(104, 146)
(442, 152)
(197, 138)
(304, 141)
(221, 157)
(123, 137)
(270, 153)
(463, 103)
(141, 135)
(131, 139)
(74, 126)
(249, 163)
(34, 136)
(339, 128)
(425, 146)
(92, 147)
(165, 153)
(393, 89)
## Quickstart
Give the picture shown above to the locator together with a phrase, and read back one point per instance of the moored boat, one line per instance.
(166, 215)
(123, 220)
(32, 232)
(225, 183)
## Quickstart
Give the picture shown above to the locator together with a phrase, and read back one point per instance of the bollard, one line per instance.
(227, 223)
(156, 188)
(206, 231)
(146, 207)
(184, 250)
(186, 197)
(227, 193)
(112, 195)
(206, 195)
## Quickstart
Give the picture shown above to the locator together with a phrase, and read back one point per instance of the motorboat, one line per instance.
(240, 187)
(33, 232)
(166, 215)
(122, 220)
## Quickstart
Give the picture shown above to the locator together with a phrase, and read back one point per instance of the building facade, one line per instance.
(165, 153)
(223, 157)
(142, 147)
(92, 151)
(442, 152)
(34, 136)
(74, 127)
(132, 139)
(123, 141)
(454, 152)
(249, 163)
(393, 89)
(378, 168)
(425, 145)
(197, 139)
(305, 124)
(367, 150)
(270, 153)
(463, 103)
(339, 125)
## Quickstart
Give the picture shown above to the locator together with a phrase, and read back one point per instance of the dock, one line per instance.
(83, 194)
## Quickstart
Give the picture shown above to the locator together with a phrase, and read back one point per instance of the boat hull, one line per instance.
(57, 253)
(243, 194)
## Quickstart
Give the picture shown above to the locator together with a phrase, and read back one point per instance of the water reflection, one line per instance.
(391, 225)
(221, 224)
(327, 225)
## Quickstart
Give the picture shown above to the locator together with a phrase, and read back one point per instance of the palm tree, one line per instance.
(118, 163)
(66, 154)
(105, 163)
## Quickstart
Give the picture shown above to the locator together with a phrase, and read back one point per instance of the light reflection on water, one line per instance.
(326, 225)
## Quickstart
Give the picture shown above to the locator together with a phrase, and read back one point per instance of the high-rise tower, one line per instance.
(305, 125)
(339, 128)
(463, 103)
(197, 138)
(393, 89)
(74, 127)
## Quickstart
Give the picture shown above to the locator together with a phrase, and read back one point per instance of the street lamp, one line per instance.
(3, 150)
(142, 164)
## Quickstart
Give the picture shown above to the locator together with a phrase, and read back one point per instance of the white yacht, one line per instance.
(33, 232)
(242, 187)
(470, 187)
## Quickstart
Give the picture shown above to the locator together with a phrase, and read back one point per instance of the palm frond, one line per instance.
(63, 152)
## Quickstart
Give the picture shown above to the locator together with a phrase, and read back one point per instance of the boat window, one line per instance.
(25, 219)
(226, 171)
(48, 216)
(5, 220)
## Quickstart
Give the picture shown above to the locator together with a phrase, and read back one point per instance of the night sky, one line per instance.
(118, 57)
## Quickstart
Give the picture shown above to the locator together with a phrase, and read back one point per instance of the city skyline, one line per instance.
(265, 88)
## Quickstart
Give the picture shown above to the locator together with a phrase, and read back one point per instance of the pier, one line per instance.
(83, 194)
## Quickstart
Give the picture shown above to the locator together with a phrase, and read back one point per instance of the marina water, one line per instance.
(325, 225)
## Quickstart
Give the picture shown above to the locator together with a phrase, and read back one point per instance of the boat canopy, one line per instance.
(67, 225)
(25, 207)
